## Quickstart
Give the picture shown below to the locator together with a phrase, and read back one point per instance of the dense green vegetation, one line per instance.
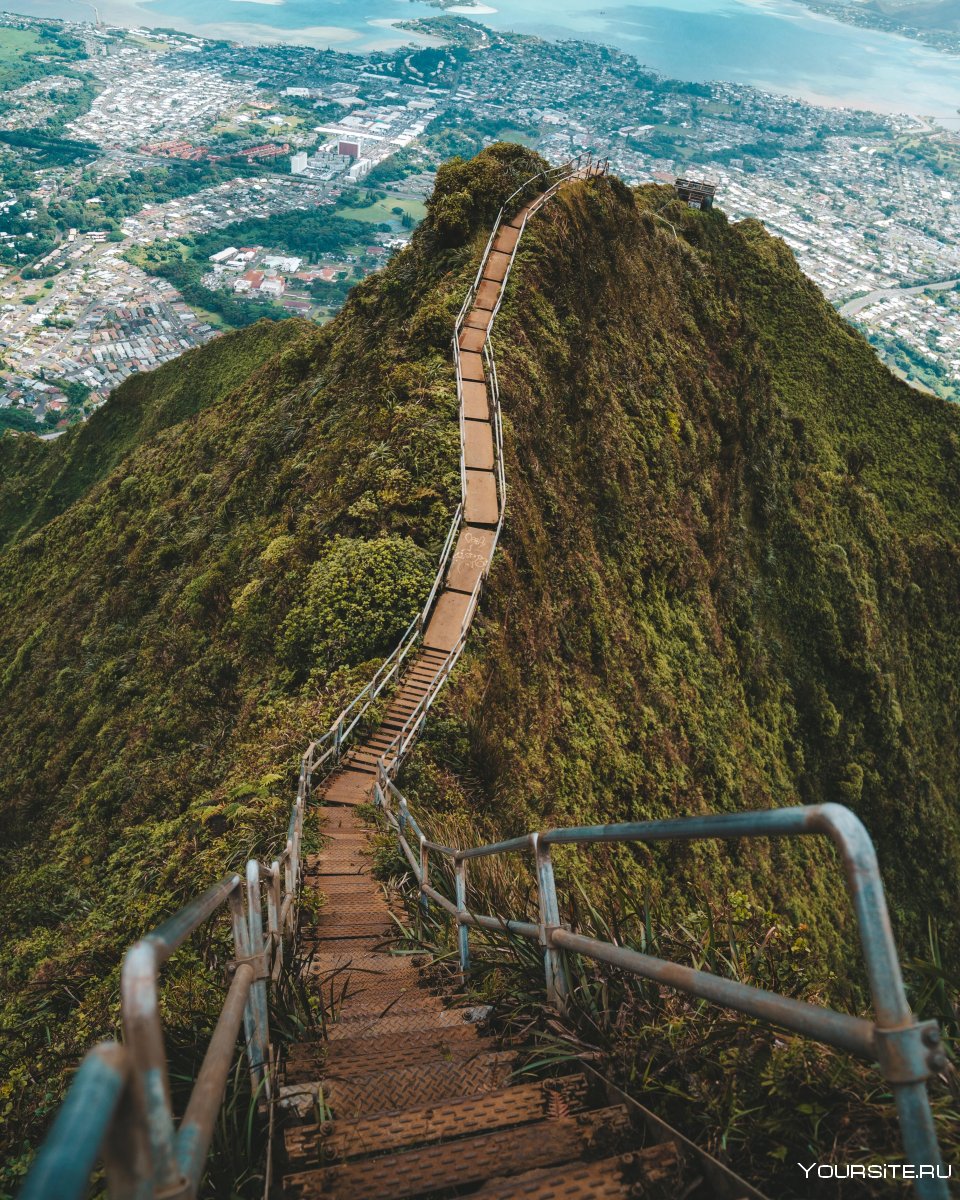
(23, 49)
(727, 580)
(39, 481)
(184, 261)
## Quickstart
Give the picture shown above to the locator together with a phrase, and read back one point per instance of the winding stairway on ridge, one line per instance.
(422, 1103)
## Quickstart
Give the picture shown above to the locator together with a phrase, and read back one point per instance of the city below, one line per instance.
(156, 188)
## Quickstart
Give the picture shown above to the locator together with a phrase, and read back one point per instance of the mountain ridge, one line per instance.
(725, 580)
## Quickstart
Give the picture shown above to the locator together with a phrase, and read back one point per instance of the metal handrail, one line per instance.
(392, 757)
(119, 1104)
(907, 1051)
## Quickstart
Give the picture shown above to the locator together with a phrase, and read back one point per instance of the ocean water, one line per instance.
(774, 44)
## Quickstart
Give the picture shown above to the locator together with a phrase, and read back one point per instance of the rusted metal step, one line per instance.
(363, 767)
(416, 1083)
(370, 1046)
(346, 1061)
(349, 787)
(471, 365)
(426, 674)
(488, 293)
(478, 445)
(470, 558)
(517, 221)
(309, 1062)
(496, 268)
(482, 506)
(477, 318)
(397, 1024)
(430, 656)
(505, 1152)
(625, 1177)
(472, 339)
(476, 405)
(446, 624)
(506, 239)
(373, 933)
(427, 1123)
(362, 997)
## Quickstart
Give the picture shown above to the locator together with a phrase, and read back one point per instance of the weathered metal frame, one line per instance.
(119, 1105)
(907, 1051)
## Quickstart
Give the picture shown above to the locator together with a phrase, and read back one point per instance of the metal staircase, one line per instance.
(405, 1095)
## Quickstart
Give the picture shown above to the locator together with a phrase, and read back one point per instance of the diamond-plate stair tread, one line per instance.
(496, 268)
(371, 1045)
(477, 318)
(488, 293)
(506, 239)
(482, 506)
(356, 1095)
(398, 1024)
(369, 998)
(478, 445)
(476, 405)
(472, 339)
(373, 933)
(626, 1175)
(349, 787)
(470, 558)
(471, 365)
(356, 908)
(468, 1160)
(426, 1123)
(335, 853)
(309, 1062)
(337, 885)
(446, 623)
(364, 960)
(391, 1055)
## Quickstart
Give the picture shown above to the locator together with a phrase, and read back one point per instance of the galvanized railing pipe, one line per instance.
(67, 1158)
(907, 1051)
(196, 1128)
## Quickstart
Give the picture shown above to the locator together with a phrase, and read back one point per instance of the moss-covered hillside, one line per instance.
(728, 578)
(730, 568)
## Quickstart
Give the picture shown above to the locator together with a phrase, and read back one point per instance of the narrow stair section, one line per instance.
(405, 1096)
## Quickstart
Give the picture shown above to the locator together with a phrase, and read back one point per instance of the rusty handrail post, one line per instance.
(288, 883)
(424, 874)
(241, 950)
(196, 1129)
(150, 1084)
(908, 1052)
(463, 930)
(275, 961)
(257, 1000)
(549, 921)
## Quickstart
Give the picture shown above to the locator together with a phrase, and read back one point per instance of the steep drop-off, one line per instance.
(727, 579)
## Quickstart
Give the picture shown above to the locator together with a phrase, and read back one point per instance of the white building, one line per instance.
(298, 163)
(280, 262)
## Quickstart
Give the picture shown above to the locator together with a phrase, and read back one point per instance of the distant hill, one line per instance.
(38, 480)
(728, 579)
(922, 14)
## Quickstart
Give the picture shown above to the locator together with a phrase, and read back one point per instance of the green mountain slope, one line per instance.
(726, 580)
(730, 565)
(38, 480)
